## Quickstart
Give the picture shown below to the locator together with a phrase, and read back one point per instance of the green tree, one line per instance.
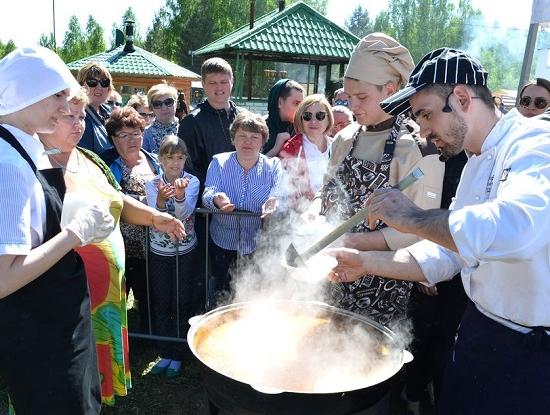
(95, 40)
(74, 43)
(7, 48)
(382, 23)
(359, 22)
(47, 41)
(501, 54)
(425, 25)
(129, 14)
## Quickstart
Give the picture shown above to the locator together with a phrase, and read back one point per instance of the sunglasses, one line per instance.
(343, 102)
(104, 82)
(308, 116)
(168, 102)
(539, 102)
(147, 114)
(114, 103)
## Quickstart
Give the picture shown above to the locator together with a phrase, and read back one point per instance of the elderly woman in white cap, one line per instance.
(377, 151)
(47, 352)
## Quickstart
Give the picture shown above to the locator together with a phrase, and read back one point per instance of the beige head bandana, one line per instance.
(378, 58)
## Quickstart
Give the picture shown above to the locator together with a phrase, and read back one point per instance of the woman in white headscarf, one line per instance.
(47, 352)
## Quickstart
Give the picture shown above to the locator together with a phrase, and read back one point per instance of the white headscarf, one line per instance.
(28, 75)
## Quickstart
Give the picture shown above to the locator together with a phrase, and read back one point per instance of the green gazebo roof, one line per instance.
(298, 33)
(139, 63)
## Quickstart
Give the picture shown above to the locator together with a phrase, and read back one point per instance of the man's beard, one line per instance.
(455, 139)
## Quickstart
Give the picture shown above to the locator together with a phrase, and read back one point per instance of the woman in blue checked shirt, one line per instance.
(240, 180)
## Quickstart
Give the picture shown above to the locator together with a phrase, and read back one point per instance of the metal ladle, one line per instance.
(295, 259)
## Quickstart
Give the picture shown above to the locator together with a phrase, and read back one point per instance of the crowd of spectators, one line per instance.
(155, 160)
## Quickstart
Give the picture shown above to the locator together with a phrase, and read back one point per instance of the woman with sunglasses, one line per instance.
(162, 99)
(140, 103)
(305, 156)
(534, 98)
(98, 82)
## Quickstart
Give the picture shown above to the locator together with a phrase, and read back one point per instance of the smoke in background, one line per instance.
(500, 51)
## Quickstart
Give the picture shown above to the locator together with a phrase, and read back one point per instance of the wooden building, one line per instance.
(135, 70)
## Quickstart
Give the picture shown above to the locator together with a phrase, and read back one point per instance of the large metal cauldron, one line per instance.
(294, 357)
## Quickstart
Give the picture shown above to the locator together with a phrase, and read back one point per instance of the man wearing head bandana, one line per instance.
(47, 353)
(377, 151)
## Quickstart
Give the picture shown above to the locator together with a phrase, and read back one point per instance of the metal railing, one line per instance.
(178, 338)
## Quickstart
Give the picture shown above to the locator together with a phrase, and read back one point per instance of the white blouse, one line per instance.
(317, 162)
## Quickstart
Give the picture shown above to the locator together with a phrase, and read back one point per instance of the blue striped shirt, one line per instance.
(247, 191)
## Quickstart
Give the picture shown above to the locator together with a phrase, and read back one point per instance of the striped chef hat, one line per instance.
(441, 66)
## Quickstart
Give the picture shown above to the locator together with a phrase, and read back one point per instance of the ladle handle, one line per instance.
(356, 219)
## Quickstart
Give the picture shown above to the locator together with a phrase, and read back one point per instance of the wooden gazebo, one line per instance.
(296, 34)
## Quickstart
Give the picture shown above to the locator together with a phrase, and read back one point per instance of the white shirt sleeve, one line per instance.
(212, 184)
(437, 263)
(513, 225)
(151, 192)
(187, 207)
(278, 180)
(16, 227)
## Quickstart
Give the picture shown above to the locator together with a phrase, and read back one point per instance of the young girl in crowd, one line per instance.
(170, 265)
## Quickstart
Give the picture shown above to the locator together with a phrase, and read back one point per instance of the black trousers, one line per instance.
(221, 263)
(496, 370)
(171, 296)
(136, 280)
(435, 321)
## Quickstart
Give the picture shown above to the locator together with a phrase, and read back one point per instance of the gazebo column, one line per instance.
(238, 84)
(249, 78)
(316, 79)
(328, 76)
(308, 74)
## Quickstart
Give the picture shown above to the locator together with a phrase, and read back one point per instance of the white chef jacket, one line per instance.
(23, 208)
(500, 223)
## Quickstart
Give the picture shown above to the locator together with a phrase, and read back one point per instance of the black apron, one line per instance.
(355, 180)
(47, 350)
